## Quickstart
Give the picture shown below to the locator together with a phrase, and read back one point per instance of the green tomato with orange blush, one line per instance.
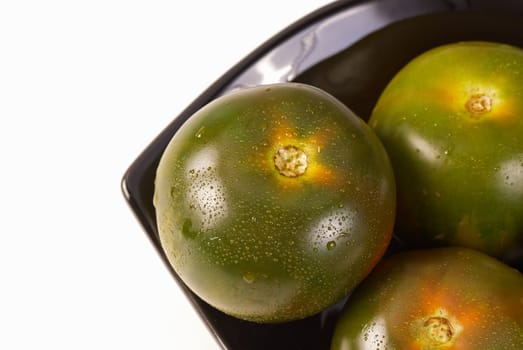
(274, 202)
(452, 123)
(448, 298)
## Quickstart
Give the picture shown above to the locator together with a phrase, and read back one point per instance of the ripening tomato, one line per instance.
(440, 298)
(273, 202)
(452, 123)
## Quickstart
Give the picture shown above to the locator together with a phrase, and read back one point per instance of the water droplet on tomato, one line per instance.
(249, 277)
(187, 229)
(199, 133)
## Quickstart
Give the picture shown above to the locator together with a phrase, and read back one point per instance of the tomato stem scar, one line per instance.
(479, 104)
(290, 161)
(439, 330)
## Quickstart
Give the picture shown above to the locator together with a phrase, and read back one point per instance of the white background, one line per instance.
(84, 87)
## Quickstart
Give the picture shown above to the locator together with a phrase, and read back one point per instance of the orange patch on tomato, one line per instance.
(284, 136)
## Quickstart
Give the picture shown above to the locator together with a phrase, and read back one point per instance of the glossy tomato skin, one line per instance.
(440, 298)
(260, 242)
(452, 123)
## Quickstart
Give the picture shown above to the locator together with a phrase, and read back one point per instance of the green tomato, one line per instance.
(274, 202)
(435, 299)
(452, 123)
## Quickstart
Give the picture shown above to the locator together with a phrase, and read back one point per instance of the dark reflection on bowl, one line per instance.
(355, 74)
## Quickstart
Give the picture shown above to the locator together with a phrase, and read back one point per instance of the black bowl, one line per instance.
(350, 49)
